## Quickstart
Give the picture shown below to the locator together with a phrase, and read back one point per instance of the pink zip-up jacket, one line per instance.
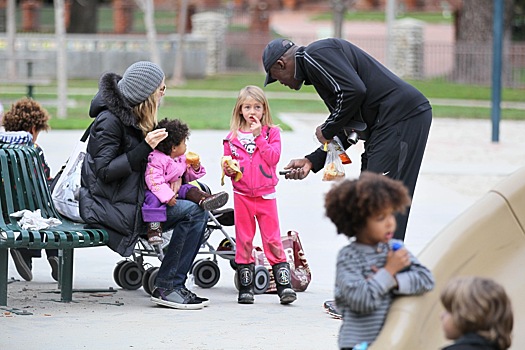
(259, 170)
(162, 170)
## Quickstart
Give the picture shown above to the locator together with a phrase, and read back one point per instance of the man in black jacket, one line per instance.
(365, 101)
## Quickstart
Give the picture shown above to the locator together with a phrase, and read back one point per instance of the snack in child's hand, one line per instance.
(232, 163)
(331, 173)
(192, 158)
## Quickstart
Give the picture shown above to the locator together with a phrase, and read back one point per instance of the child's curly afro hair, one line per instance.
(24, 115)
(349, 203)
(178, 131)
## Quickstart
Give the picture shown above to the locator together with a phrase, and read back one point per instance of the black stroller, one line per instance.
(134, 272)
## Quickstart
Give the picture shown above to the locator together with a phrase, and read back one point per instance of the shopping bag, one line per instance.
(65, 187)
(333, 166)
(300, 273)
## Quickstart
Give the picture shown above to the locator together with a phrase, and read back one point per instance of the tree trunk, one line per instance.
(178, 78)
(148, 8)
(474, 33)
(83, 17)
(11, 37)
(60, 33)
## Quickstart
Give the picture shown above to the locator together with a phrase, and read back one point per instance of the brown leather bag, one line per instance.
(299, 269)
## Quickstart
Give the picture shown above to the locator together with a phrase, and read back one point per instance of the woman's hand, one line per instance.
(154, 137)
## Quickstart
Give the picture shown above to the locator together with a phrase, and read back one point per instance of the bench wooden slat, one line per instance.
(25, 187)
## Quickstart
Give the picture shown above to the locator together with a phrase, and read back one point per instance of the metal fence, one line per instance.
(469, 64)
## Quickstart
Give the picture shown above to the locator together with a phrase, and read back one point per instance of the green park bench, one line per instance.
(24, 186)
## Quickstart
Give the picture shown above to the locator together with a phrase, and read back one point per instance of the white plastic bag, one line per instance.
(65, 190)
(333, 166)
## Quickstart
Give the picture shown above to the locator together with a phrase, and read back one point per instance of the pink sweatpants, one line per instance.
(246, 210)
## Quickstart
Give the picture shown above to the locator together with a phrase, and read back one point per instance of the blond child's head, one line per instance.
(477, 305)
(350, 204)
(248, 95)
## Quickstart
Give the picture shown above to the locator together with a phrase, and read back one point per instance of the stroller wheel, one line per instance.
(116, 272)
(261, 282)
(233, 264)
(148, 283)
(262, 279)
(206, 273)
(130, 275)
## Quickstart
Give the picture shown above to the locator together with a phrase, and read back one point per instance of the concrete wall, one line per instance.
(91, 55)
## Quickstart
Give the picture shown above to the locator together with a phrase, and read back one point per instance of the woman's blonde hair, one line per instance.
(480, 305)
(146, 112)
(258, 95)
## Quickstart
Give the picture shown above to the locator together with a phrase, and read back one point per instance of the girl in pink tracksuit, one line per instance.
(255, 143)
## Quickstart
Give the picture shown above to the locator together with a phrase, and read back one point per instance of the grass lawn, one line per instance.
(215, 112)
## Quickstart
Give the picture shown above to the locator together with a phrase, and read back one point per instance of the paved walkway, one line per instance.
(460, 165)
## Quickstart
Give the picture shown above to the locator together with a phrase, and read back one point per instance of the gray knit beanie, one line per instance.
(139, 81)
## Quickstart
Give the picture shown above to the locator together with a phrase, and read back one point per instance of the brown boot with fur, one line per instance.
(205, 200)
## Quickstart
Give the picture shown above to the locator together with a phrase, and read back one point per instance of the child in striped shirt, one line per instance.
(374, 267)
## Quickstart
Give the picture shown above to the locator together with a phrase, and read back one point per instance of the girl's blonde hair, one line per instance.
(258, 95)
(146, 112)
(480, 305)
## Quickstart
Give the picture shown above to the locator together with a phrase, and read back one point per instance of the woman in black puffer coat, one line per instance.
(113, 173)
(112, 189)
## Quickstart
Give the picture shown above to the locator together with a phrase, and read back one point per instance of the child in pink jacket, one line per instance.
(168, 174)
(255, 144)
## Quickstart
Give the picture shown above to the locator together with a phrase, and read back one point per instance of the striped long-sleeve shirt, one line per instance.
(364, 296)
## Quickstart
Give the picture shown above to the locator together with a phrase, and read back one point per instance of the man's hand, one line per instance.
(299, 169)
(319, 135)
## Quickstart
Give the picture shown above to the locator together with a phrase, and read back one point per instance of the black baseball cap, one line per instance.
(273, 51)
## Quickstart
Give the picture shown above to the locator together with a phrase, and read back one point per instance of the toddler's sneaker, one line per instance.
(176, 298)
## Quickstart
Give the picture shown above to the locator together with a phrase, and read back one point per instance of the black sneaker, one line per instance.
(204, 301)
(53, 262)
(330, 308)
(176, 298)
(23, 264)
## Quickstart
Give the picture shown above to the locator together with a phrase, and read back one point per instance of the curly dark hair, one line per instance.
(25, 114)
(349, 203)
(178, 131)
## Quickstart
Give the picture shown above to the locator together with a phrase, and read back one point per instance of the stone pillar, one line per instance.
(31, 15)
(122, 16)
(259, 17)
(212, 26)
(408, 48)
